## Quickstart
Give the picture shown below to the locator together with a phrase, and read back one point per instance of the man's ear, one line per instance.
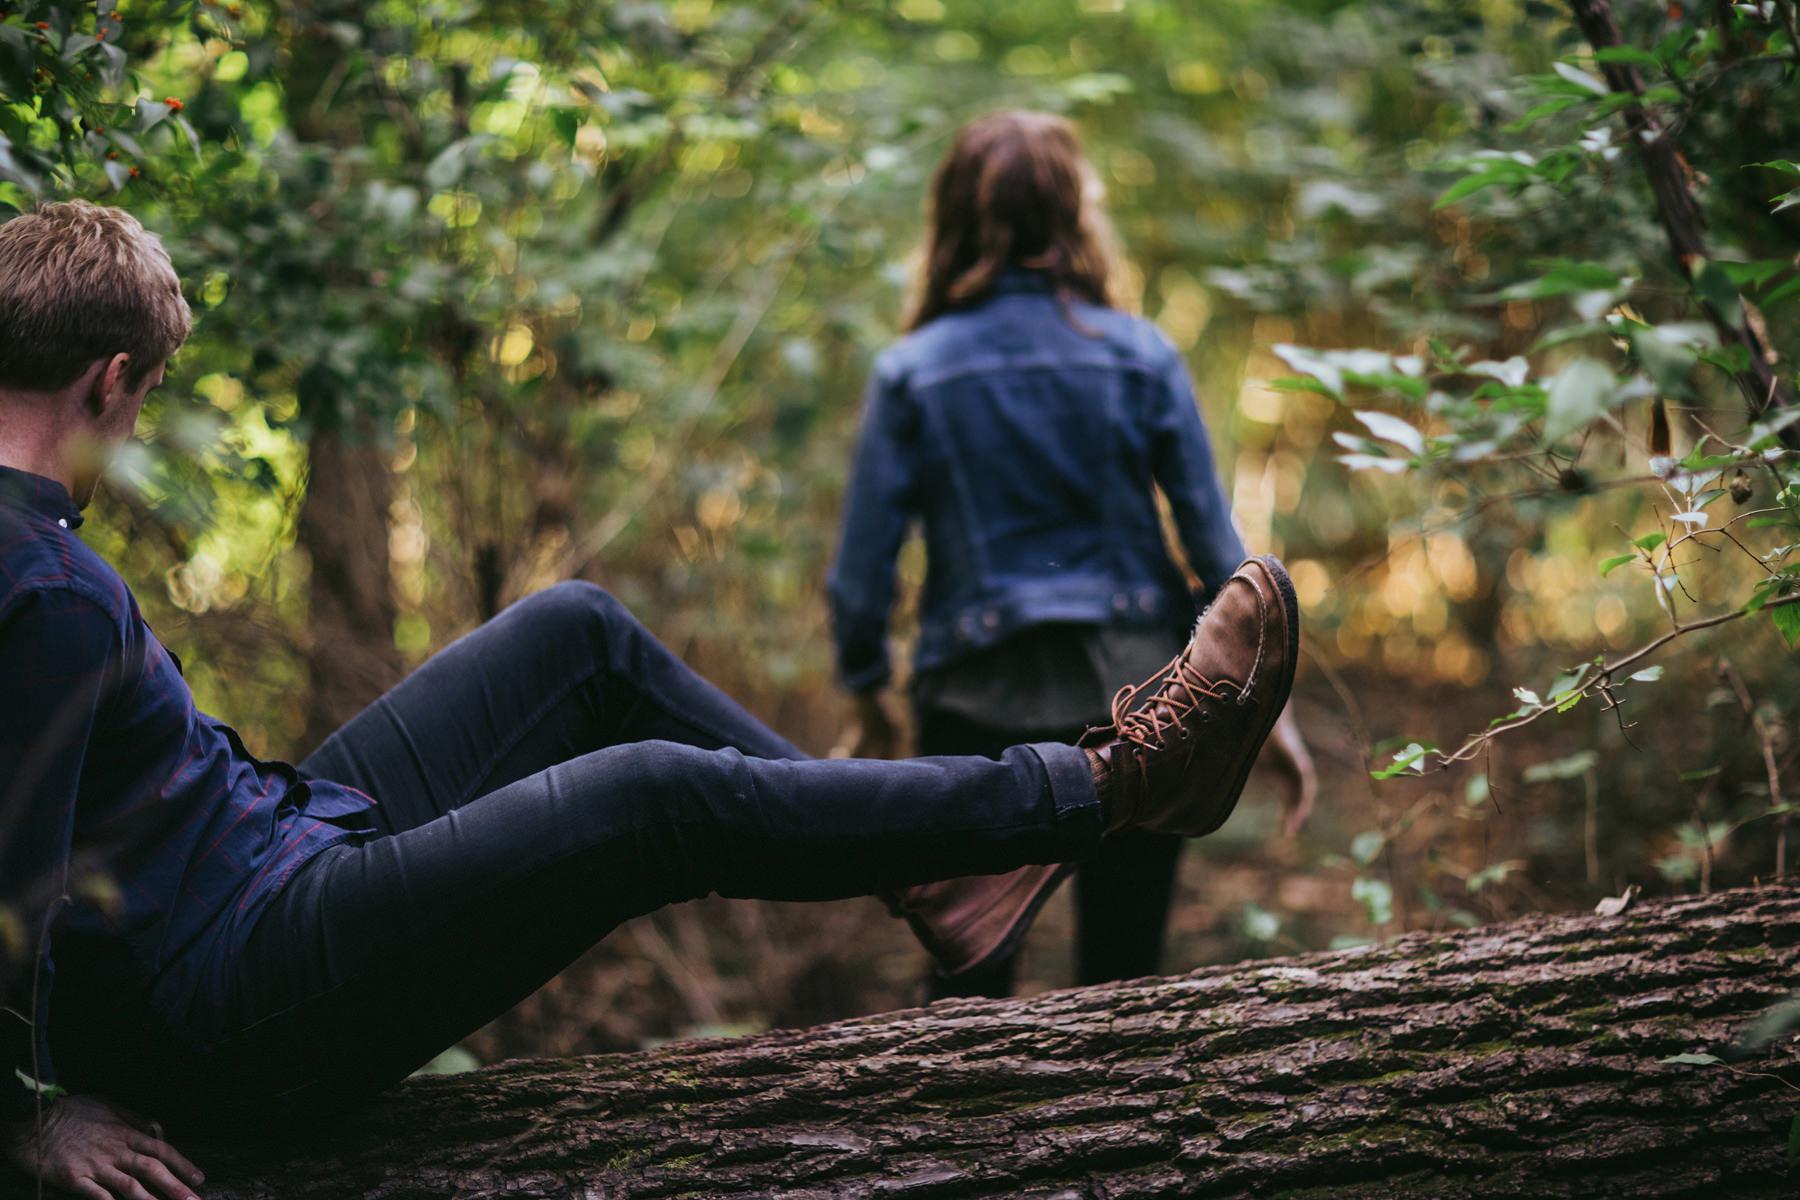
(106, 386)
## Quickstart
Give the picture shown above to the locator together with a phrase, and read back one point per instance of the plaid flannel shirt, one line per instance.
(135, 831)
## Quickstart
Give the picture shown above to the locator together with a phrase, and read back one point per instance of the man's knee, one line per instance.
(575, 605)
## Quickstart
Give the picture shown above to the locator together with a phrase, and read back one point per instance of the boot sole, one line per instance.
(1290, 602)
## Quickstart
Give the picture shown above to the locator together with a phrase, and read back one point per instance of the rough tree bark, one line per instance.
(1520, 1060)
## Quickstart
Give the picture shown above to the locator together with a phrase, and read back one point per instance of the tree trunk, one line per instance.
(1682, 221)
(350, 625)
(1520, 1060)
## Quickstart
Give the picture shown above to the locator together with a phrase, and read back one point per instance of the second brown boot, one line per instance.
(1181, 744)
(977, 919)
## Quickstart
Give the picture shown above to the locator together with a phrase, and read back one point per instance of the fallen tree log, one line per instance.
(1521, 1060)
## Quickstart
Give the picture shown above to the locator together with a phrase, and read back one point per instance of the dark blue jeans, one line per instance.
(552, 774)
(1122, 890)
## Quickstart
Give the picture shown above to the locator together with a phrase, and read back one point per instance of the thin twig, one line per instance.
(1590, 678)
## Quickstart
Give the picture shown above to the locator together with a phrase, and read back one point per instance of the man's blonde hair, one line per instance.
(79, 283)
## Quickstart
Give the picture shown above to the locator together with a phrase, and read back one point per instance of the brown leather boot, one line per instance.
(976, 919)
(1182, 743)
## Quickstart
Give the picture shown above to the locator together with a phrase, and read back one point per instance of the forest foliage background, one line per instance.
(495, 294)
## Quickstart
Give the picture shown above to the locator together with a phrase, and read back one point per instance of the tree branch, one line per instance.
(1679, 212)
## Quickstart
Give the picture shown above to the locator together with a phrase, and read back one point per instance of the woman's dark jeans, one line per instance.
(1122, 889)
(547, 777)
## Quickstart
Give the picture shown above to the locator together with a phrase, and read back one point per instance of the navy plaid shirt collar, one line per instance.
(36, 494)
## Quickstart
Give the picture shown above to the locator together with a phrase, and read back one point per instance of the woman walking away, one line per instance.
(1027, 424)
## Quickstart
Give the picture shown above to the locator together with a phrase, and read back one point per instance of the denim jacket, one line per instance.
(1026, 444)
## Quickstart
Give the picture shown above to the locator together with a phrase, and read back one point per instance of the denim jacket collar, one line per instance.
(1019, 279)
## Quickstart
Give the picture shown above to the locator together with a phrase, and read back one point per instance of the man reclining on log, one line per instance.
(275, 942)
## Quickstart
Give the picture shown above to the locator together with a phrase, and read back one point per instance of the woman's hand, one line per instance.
(877, 733)
(88, 1147)
(1296, 763)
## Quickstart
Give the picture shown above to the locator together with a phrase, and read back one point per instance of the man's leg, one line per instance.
(377, 955)
(559, 674)
(941, 732)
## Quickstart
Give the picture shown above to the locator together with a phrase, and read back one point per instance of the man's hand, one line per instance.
(88, 1147)
(876, 735)
(1296, 763)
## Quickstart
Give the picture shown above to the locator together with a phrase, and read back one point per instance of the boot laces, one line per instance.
(1178, 691)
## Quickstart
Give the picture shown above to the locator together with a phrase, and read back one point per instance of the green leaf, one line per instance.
(1580, 78)
(1563, 277)
(1697, 1060)
(1776, 1022)
(1404, 761)
(1627, 54)
(1260, 924)
(1753, 274)
(1311, 362)
(1583, 391)
(1608, 566)
(1572, 767)
(1376, 896)
(1366, 845)
(1492, 874)
(151, 113)
(1647, 675)
(1782, 294)
(1470, 184)
(1713, 284)
(1787, 621)
(1393, 429)
(1650, 541)
(1477, 790)
(1548, 108)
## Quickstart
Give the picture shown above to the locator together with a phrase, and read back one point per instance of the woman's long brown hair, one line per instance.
(1014, 190)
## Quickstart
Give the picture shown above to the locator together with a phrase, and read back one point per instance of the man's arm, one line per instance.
(60, 660)
(59, 651)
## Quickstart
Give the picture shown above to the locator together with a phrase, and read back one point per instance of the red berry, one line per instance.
(174, 104)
